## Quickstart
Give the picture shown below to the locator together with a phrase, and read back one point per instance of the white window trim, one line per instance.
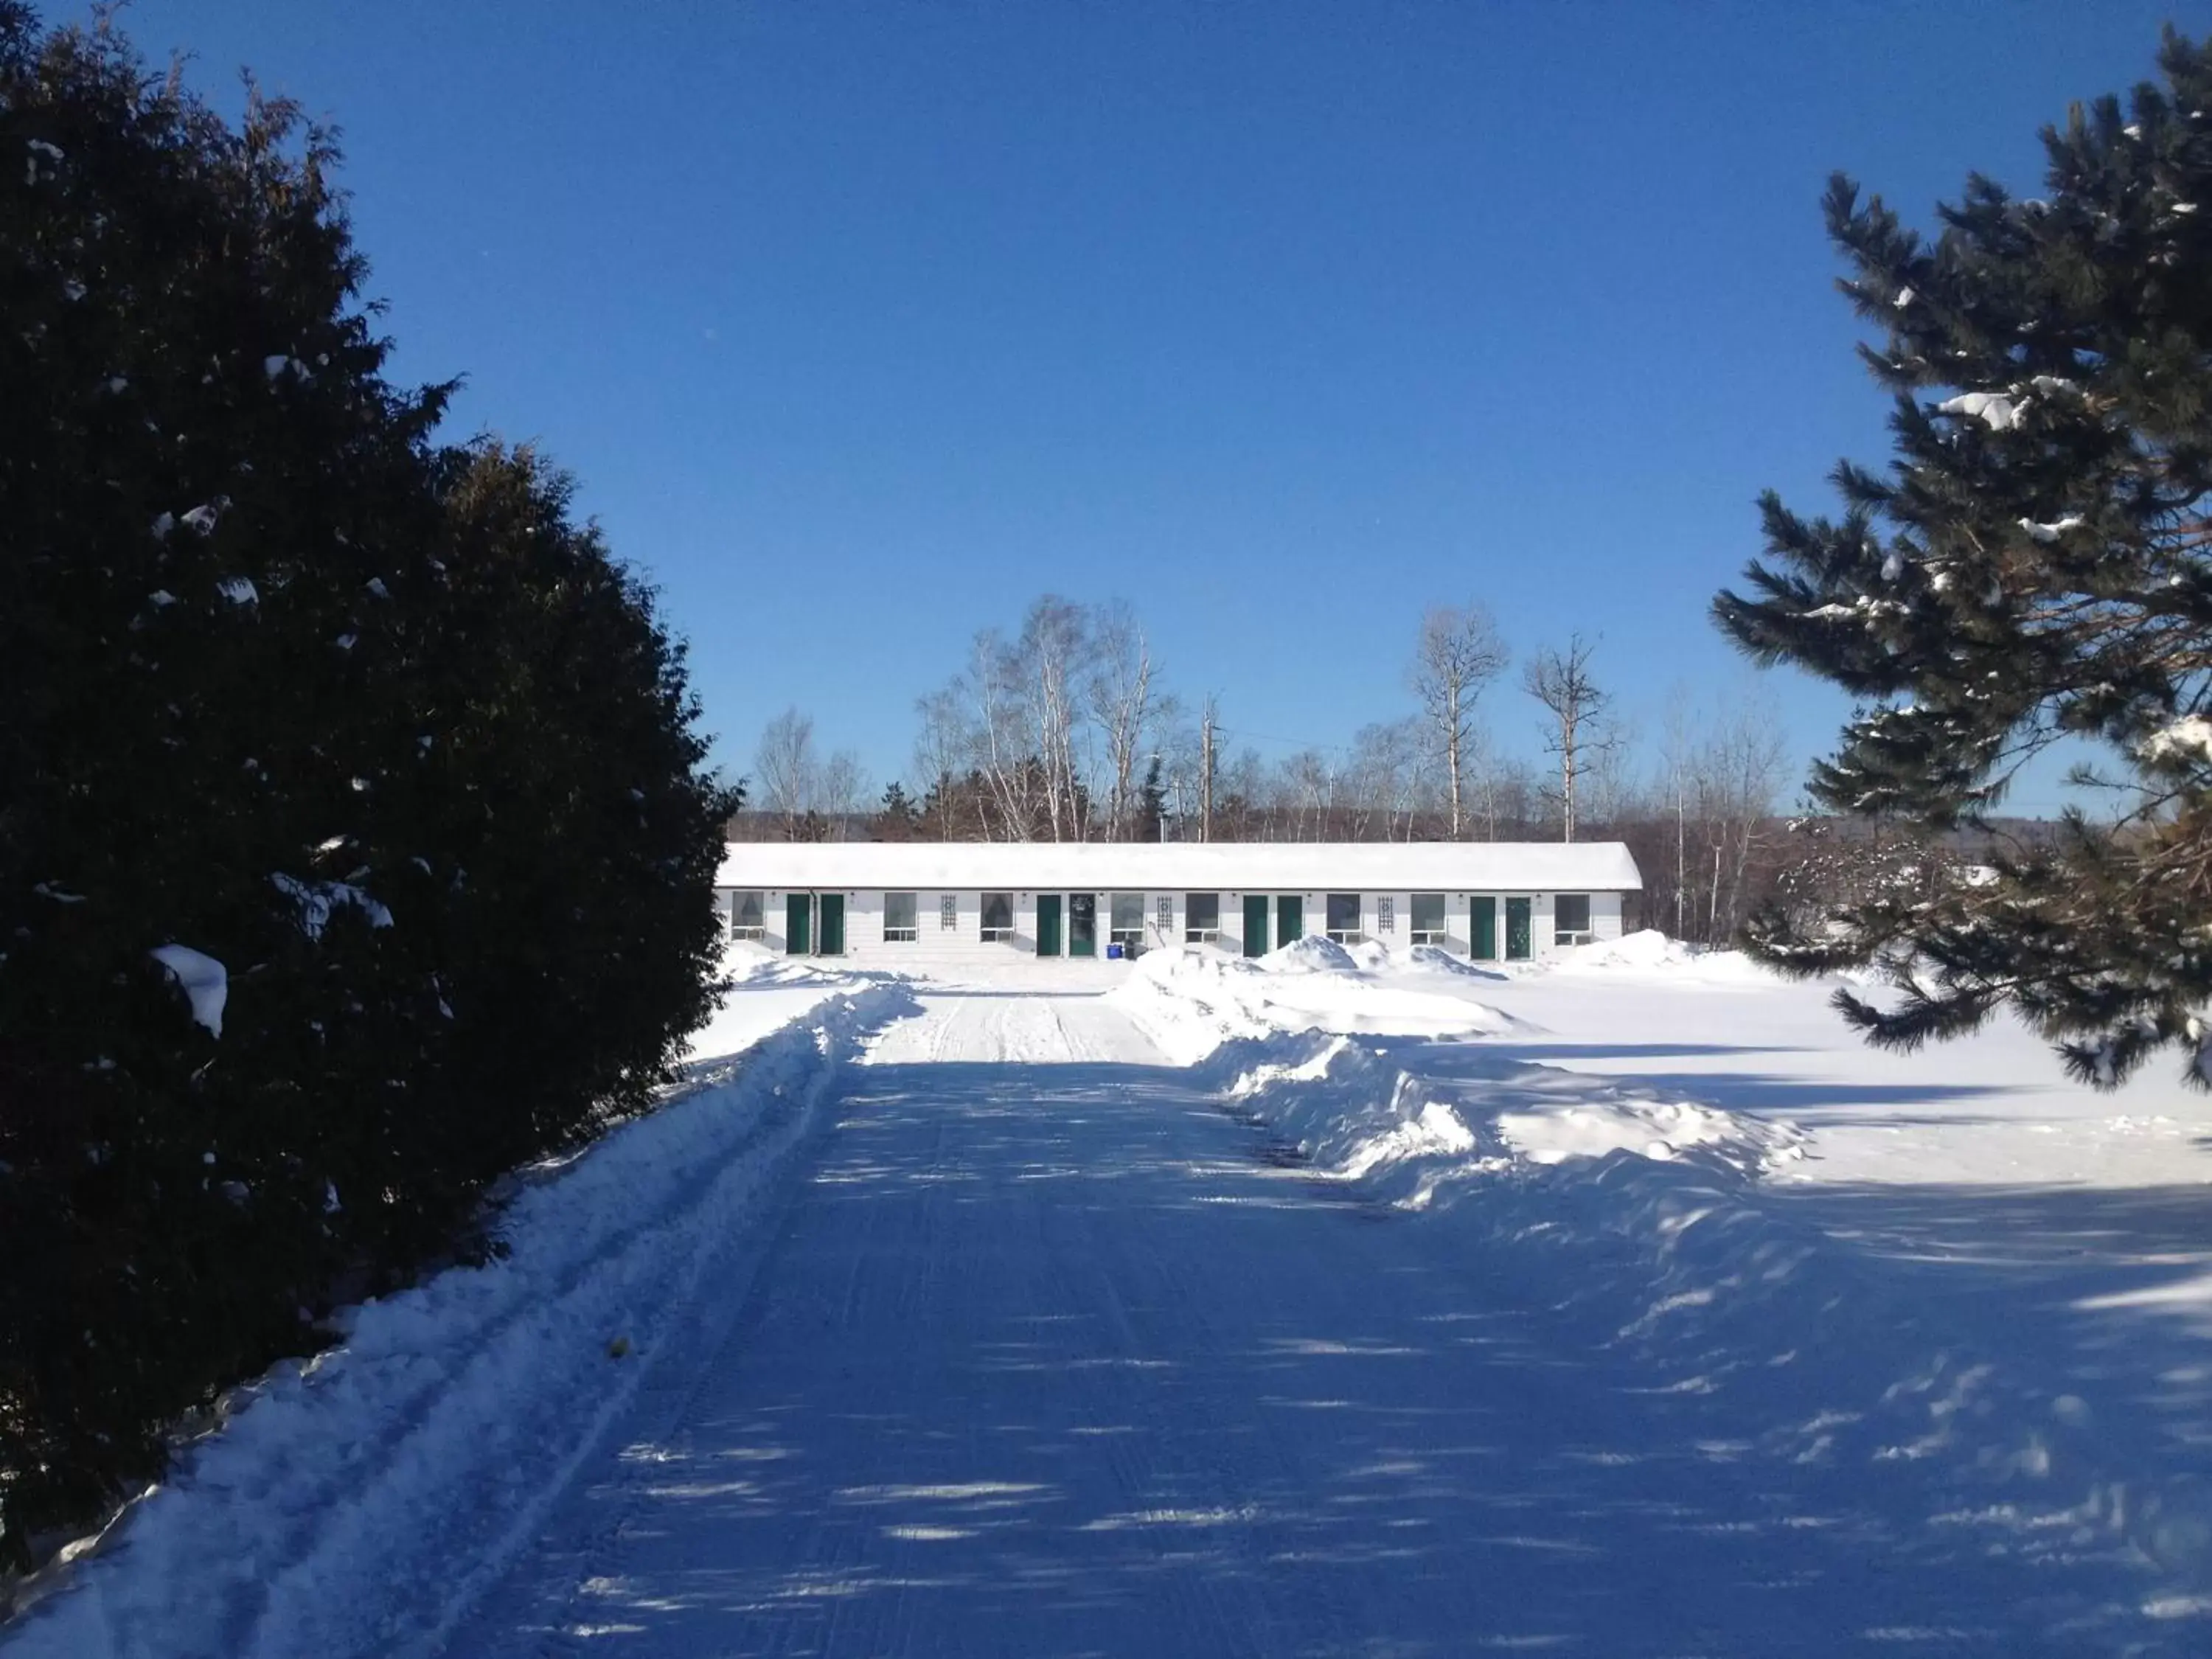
(908, 935)
(1418, 935)
(754, 931)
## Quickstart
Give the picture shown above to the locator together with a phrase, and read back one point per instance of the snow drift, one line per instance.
(1643, 1219)
(1190, 1002)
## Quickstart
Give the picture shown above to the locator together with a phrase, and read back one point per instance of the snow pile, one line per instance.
(1314, 954)
(1651, 953)
(329, 1514)
(1191, 1001)
(1361, 1109)
(1645, 1223)
(1435, 959)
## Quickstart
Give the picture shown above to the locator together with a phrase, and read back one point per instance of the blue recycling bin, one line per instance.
(1113, 953)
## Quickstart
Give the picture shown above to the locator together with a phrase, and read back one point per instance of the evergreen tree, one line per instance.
(898, 820)
(1151, 805)
(2032, 567)
(390, 747)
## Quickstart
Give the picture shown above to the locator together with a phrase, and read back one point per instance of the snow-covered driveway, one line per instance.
(1049, 1355)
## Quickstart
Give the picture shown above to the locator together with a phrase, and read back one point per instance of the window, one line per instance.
(1570, 918)
(1386, 914)
(948, 912)
(1126, 920)
(998, 917)
(1427, 918)
(1343, 913)
(1201, 918)
(748, 915)
(899, 919)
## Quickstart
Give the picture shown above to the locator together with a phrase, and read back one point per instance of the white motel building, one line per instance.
(889, 903)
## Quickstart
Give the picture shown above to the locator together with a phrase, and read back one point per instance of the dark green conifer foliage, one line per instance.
(2032, 566)
(897, 819)
(380, 729)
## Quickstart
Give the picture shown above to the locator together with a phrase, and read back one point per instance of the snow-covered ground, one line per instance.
(1345, 1302)
(767, 991)
(357, 1504)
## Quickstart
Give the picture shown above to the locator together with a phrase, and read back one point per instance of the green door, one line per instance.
(1083, 924)
(1516, 929)
(833, 924)
(1483, 912)
(1048, 924)
(1256, 924)
(798, 924)
(1290, 919)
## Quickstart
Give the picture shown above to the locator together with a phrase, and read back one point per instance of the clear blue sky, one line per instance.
(863, 324)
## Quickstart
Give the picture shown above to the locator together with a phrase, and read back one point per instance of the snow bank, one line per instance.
(1314, 954)
(328, 1514)
(1645, 1224)
(1364, 1109)
(1190, 1002)
(1651, 951)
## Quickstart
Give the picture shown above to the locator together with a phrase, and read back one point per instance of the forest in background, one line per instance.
(1068, 729)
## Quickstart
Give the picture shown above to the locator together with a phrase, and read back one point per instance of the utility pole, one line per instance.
(1206, 772)
(1681, 852)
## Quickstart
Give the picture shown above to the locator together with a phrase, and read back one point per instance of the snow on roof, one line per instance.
(1291, 866)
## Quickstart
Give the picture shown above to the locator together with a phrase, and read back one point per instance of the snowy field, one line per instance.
(1343, 1302)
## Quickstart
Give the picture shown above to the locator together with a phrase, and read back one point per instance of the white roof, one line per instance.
(1496, 866)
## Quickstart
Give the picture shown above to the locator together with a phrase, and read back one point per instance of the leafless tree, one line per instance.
(1459, 653)
(1386, 761)
(1126, 706)
(942, 755)
(842, 790)
(1714, 799)
(1042, 675)
(1737, 771)
(786, 765)
(1561, 681)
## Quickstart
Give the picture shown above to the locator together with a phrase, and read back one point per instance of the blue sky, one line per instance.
(862, 326)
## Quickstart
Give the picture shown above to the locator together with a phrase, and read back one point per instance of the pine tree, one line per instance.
(898, 820)
(1151, 805)
(2032, 567)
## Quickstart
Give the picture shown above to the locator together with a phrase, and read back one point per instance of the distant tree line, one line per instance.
(354, 842)
(1065, 729)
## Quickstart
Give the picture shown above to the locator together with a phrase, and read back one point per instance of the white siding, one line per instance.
(937, 946)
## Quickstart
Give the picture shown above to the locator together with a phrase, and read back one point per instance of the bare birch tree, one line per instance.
(1125, 707)
(1043, 669)
(1561, 681)
(1385, 761)
(785, 763)
(942, 754)
(1459, 653)
(1737, 771)
(841, 789)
